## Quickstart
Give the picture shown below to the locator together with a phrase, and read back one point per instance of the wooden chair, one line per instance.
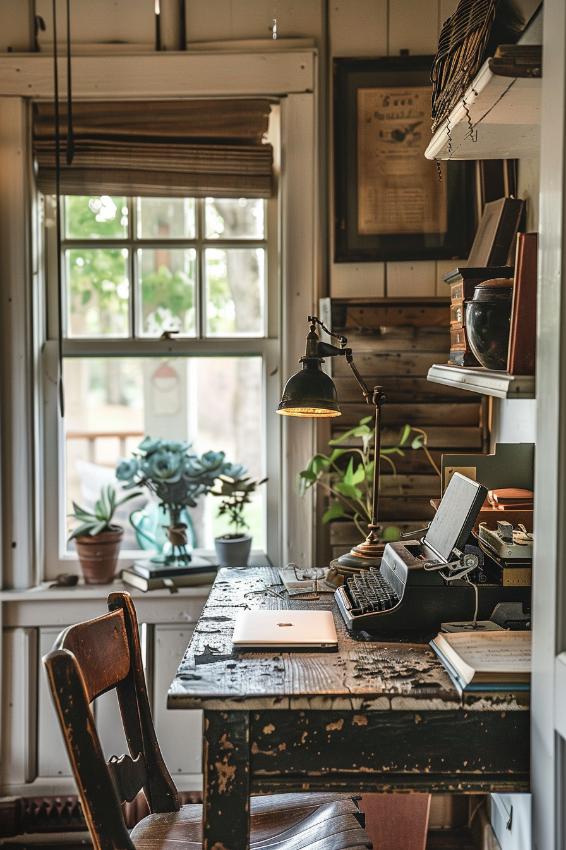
(102, 654)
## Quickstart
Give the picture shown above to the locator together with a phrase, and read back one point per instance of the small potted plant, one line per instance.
(97, 539)
(233, 549)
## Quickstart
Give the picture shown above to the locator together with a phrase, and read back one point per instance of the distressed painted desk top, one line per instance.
(362, 675)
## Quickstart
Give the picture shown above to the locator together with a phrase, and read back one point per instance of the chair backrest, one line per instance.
(88, 660)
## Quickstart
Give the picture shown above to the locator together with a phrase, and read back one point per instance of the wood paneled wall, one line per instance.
(394, 344)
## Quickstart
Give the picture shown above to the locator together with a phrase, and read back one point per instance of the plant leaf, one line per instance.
(319, 463)
(348, 477)
(335, 511)
(359, 474)
(336, 453)
(405, 435)
(127, 498)
(417, 443)
(357, 431)
(348, 490)
(80, 530)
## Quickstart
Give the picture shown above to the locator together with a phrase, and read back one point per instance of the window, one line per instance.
(170, 329)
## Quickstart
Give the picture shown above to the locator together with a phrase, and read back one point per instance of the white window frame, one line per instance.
(59, 558)
(287, 76)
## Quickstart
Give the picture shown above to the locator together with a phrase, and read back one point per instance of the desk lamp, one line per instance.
(311, 393)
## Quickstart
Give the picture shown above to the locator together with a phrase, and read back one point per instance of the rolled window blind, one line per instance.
(211, 148)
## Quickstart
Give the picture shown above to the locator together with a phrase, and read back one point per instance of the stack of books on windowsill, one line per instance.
(484, 661)
(144, 575)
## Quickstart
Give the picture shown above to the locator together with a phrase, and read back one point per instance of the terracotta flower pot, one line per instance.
(99, 555)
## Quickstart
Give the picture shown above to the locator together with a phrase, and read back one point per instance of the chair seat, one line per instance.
(282, 822)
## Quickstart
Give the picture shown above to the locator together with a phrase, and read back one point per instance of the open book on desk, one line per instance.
(486, 661)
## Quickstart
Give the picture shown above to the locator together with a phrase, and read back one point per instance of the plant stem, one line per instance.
(358, 526)
(426, 451)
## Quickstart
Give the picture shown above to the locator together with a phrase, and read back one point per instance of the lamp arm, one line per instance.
(361, 383)
(326, 349)
(376, 397)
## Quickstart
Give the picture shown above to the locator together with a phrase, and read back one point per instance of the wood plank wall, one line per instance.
(395, 314)
(394, 344)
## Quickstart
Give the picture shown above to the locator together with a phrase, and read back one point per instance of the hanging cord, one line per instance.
(58, 214)
(70, 129)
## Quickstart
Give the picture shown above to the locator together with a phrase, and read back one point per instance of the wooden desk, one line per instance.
(371, 717)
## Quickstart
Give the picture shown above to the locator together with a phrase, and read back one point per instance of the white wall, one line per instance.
(339, 28)
(514, 421)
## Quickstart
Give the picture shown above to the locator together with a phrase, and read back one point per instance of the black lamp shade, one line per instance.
(309, 393)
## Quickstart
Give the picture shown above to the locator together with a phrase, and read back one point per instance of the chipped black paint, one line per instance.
(373, 717)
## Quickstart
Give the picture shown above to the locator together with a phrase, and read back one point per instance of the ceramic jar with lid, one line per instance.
(488, 318)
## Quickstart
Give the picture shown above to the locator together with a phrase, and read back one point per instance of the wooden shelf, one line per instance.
(483, 381)
(505, 115)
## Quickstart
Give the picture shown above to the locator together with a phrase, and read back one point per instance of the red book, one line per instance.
(523, 330)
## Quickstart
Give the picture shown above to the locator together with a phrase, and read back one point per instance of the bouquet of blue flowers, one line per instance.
(173, 472)
(178, 477)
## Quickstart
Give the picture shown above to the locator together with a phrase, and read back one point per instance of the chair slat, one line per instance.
(129, 775)
(101, 649)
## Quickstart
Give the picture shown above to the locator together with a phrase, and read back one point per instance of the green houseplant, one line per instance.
(97, 538)
(345, 474)
(233, 548)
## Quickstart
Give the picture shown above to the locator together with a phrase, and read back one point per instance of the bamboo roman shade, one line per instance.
(209, 148)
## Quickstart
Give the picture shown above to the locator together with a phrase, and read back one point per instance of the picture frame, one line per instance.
(390, 202)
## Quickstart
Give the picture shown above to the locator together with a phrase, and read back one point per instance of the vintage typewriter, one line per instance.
(423, 583)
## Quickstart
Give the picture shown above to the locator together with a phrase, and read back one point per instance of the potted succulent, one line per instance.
(97, 538)
(233, 549)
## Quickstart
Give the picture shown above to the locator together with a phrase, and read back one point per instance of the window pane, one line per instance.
(213, 402)
(240, 218)
(168, 282)
(235, 287)
(98, 291)
(96, 217)
(166, 218)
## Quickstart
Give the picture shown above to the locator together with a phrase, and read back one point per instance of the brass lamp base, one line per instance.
(365, 555)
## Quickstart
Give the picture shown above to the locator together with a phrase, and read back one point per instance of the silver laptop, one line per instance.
(285, 630)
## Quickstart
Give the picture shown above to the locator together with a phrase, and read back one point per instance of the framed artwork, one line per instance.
(390, 202)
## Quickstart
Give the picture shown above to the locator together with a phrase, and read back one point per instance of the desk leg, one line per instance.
(226, 809)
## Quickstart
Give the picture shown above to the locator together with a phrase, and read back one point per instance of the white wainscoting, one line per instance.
(33, 758)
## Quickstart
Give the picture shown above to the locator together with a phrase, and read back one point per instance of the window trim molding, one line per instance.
(169, 75)
(20, 502)
(288, 76)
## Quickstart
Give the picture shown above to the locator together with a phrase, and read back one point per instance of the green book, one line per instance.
(195, 579)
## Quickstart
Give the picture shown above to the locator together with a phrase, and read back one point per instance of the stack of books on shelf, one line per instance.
(486, 661)
(145, 575)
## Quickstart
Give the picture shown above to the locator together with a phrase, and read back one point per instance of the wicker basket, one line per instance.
(468, 36)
